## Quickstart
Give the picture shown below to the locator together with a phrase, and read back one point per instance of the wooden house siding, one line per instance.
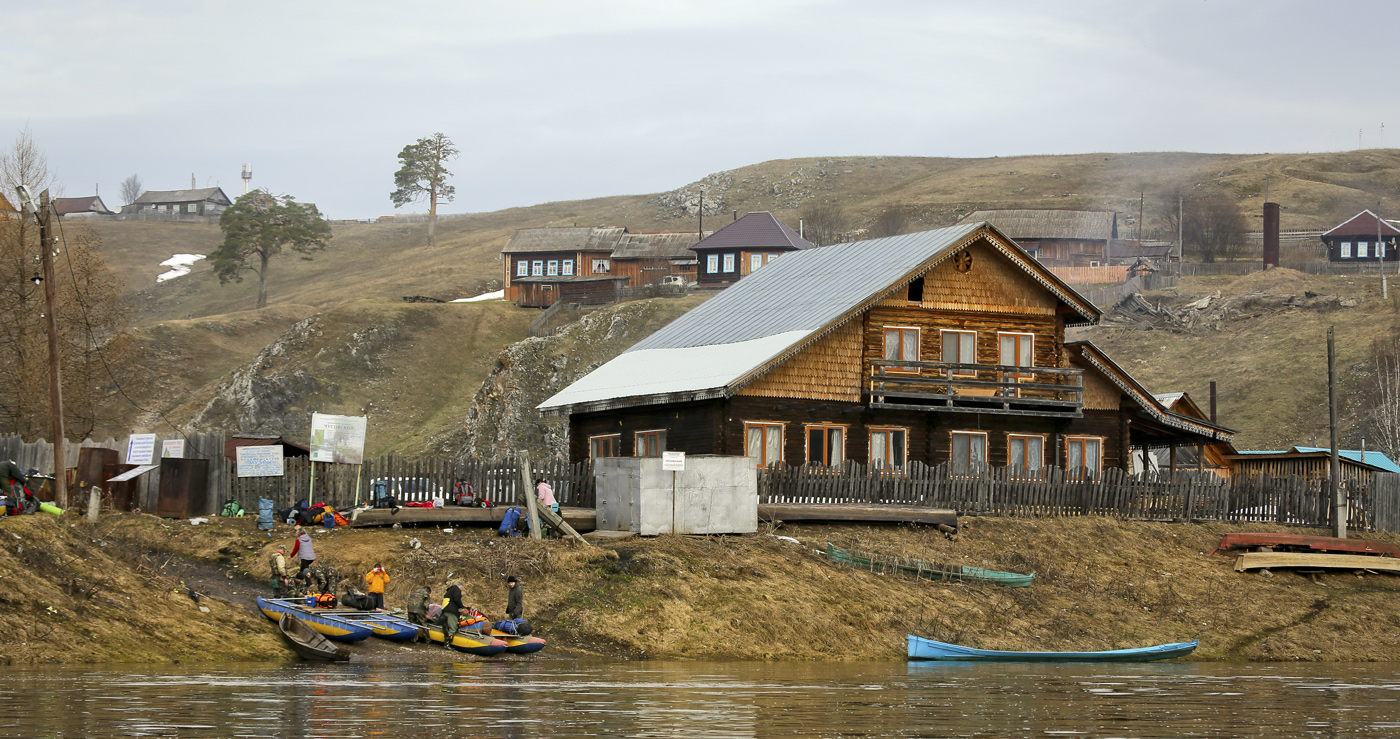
(693, 428)
(830, 369)
(992, 285)
(1100, 394)
(1047, 349)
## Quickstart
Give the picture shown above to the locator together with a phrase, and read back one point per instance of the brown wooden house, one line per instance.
(203, 201)
(742, 247)
(1058, 237)
(939, 346)
(79, 208)
(555, 255)
(1365, 237)
(646, 258)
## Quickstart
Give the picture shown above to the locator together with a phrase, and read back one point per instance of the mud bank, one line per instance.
(119, 591)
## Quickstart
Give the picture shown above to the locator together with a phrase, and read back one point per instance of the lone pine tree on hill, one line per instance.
(257, 227)
(424, 173)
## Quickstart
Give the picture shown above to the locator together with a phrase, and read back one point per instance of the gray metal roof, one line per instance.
(1049, 223)
(761, 230)
(572, 238)
(203, 194)
(656, 246)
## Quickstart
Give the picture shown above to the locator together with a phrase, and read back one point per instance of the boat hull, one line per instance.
(308, 643)
(519, 644)
(381, 625)
(481, 645)
(928, 649)
(329, 626)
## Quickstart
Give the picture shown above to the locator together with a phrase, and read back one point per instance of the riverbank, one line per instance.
(113, 592)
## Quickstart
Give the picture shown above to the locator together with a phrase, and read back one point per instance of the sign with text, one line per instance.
(673, 461)
(337, 438)
(140, 448)
(172, 448)
(259, 461)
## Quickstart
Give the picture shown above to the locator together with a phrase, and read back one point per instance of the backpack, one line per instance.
(357, 601)
(325, 600)
(231, 509)
(514, 627)
(265, 515)
(512, 523)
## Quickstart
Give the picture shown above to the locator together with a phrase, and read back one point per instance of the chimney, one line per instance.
(799, 229)
(1212, 401)
(192, 185)
(1270, 235)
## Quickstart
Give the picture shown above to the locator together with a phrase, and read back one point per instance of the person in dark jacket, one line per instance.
(418, 611)
(451, 615)
(514, 598)
(9, 471)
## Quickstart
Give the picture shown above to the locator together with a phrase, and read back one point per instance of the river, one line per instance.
(565, 698)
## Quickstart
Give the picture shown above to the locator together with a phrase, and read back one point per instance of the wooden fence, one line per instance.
(1091, 275)
(1374, 505)
(345, 485)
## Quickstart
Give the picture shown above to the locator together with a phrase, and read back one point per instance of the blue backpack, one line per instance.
(513, 523)
(514, 627)
(265, 515)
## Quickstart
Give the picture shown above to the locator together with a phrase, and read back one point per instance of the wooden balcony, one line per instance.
(977, 388)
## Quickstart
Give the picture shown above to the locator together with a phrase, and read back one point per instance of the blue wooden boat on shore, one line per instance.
(331, 626)
(928, 649)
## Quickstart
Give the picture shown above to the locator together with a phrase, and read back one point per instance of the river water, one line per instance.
(565, 698)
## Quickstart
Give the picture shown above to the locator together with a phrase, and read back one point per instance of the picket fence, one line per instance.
(990, 491)
(418, 479)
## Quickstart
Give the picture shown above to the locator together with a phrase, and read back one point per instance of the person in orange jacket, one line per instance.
(375, 580)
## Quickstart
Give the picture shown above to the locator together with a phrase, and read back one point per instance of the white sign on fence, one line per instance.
(140, 448)
(259, 461)
(172, 448)
(337, 438)
(673, 461)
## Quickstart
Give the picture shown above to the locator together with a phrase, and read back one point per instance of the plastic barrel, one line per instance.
(51, 508)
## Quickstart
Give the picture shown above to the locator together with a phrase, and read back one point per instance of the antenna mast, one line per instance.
(247, 177)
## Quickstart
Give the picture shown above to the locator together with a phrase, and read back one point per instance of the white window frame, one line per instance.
(942, 349)
(808, 428)
(953, 446)
(1380, 250)
(1362, 248)
(1346, 250)
(192, 208)
(1070, 441)
(886, 462)
(537, 268)
(755, 261)
(766, 428)
(522, 268)
(712, 264)
(567, 267)
(728, 263)
(602, 267)
(638, 447)
(593, 440)
(1031, 472)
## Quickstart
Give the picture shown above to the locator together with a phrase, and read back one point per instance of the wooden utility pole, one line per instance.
(1339, 503)
(46, 250)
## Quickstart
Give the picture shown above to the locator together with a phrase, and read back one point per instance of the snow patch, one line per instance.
(179, 265)
(498, 295)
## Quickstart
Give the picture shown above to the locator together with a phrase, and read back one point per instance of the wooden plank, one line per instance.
(873, 514)
(1260, 560)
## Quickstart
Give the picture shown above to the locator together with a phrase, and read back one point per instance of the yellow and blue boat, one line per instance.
(470, 642)
(516, 644)
(381, 625)
(331, 626)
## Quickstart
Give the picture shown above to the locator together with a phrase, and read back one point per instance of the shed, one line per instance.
(1058, 237)
(77, 208)
(542, 292)
(1311, 463)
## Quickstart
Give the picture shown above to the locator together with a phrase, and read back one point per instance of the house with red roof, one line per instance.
(1365, 237)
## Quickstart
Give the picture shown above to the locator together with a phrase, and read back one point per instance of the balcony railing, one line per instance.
(977, 388)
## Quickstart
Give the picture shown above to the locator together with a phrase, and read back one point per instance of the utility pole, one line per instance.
(1380, 252)
(1339, 502)
(1180, 245)
(44, 215)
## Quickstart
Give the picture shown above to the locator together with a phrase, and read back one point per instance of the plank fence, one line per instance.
(1374, 504)
(410, 480)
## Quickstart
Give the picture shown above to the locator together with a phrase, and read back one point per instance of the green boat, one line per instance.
(928, 570)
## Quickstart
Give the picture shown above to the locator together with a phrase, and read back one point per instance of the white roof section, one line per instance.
(685, 373)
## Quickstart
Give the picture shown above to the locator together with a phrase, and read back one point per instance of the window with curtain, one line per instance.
(969, 449)
(552, 268)
(1083, 455)
(826, 445)
(537, 268)
(764, 442)
(712, 263)
(902, 344)
(522, 268)
(1346, 249)
(960, 347)
(649, 443)
(1025, 455)
(1362, 247)
(568, 266)
(728, 262)
(755, 261)
(888, 448)
(605, 445)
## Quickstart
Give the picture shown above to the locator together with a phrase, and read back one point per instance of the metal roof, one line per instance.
(773, 312)
(1362, 224)
(656, 246)
(1049, 223)
(573, 238)
(183, 196)
(1372, 457)
(761, 230)
(89, 204)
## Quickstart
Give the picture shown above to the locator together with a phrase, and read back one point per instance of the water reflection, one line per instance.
(656, 699)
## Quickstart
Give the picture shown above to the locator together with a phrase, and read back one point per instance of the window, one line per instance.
(755, 261)
(192, 208)
(649, 443)
(888, 448)
(605, 445)
(1025, 454)
(1361, 249)
(902, 345)
(1380, 249)
(764, 442)
(1083, 454)
(712, 263)
(728, 262)
(522, 268)
(537, 268)
(1093, 264)
(916, 290)
(552, 268)
(1017, 350)
(969, 449)
(568, 266)
(601, 266)
(960, 347)
(1346, 250)
(826, 445)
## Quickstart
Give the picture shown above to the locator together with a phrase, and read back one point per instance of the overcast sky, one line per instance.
(575, 99)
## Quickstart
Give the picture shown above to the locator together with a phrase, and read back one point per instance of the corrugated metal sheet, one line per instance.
(1363, 224)
(656, 246)
(761, 230)
(91, 203)
(1048, 223)
(200, 195)
(570, 238)
(1372, 457)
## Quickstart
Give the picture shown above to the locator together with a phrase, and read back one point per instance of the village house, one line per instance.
(1312, 463)
(933, 347)
(205, 201)
(644, 259)
(79, 208)
(7, 212)
(588, 265)
(742, 247)
(1365, 237)
(1058, 237)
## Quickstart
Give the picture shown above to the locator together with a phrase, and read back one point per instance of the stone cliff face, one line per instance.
(502, 417)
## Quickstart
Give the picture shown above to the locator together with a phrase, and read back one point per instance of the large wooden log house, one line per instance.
(939, 346)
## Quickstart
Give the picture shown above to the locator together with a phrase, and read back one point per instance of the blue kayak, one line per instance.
(333, 628)
(928, 649)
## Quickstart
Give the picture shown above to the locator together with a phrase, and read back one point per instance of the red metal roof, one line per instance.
(754, 231)
(1363, 224)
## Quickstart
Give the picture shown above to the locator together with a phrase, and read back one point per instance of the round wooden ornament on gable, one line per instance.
(962, 261)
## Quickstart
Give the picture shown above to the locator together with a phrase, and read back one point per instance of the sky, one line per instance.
(561, 100)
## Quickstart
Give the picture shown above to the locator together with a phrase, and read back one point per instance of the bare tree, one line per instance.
(823, 223)
(131, 189)
(24, 164)
(892, 221)
(1383, 418)
(1211, 223)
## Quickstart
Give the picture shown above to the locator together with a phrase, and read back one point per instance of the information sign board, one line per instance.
(337, 438)
(673, 461)
(259, 461)
(172, 448)
(140, 448)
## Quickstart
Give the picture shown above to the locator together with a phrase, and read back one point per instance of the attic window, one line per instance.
(916, 290)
